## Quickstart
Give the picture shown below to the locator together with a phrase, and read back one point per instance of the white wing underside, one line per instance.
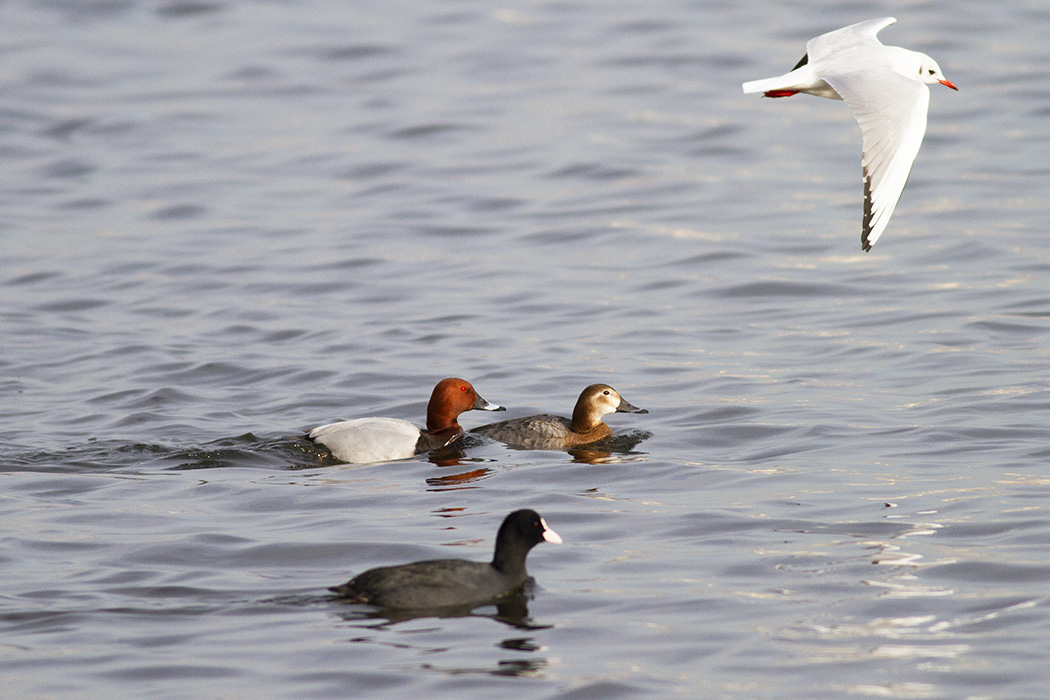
(889, 107)
(891, 110)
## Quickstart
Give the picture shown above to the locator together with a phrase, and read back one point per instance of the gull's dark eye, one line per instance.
(930, 71)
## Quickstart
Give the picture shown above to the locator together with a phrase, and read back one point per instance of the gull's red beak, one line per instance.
(948, 83)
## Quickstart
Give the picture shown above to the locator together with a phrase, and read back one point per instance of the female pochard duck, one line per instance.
(364, 440)
(549, 432)
(442, 583)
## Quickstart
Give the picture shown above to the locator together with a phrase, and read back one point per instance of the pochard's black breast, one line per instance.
(428, 442)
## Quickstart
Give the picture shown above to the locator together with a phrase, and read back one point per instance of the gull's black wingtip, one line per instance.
(865, 227)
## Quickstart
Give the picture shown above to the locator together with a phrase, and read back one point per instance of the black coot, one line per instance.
(441, 583)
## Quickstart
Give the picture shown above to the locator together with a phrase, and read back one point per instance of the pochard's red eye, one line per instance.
(463, 388)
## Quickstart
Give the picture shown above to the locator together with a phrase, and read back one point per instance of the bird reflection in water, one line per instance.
(512, 610)
(616, 448)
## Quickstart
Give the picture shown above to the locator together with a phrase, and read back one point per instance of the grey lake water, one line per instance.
(224, 222)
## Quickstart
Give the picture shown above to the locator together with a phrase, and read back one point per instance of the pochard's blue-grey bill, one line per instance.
(481, 404)
(627, 407)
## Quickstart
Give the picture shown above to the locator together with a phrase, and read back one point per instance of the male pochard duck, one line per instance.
(549, 432)
(442, 583)
(365, 440)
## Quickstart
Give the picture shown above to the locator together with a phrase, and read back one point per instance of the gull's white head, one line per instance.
(930, 72)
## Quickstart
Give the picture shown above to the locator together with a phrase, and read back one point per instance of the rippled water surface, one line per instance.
(226, 222)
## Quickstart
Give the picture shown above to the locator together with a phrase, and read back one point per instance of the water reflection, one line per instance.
(614, 449)
(459, 480)
(597, 455)
(512, 610)
(504, 667)
(913, 625)
(903, 582)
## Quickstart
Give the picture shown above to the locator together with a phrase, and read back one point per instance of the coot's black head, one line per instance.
(521, 531)
(527, 526)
